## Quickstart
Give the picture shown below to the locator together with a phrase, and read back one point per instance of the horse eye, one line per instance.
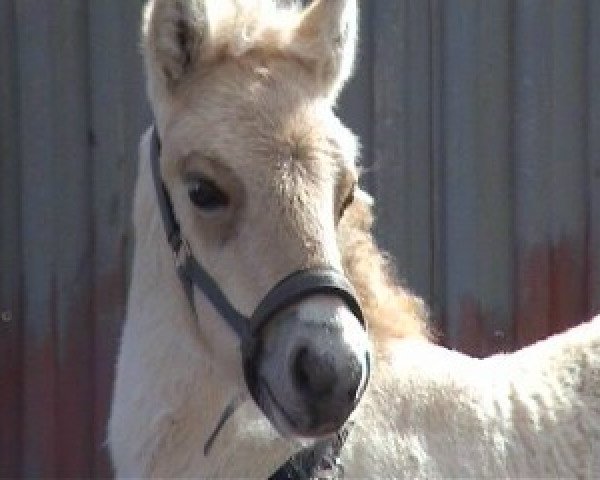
(205, 194)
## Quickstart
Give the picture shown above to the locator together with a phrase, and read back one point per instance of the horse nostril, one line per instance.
(352, 391)
(314, 373)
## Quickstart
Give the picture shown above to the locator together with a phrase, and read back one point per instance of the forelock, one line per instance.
(243, 25)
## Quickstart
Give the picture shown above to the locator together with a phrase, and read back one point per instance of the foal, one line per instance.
(254, 181)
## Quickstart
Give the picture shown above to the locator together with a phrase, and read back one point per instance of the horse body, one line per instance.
(437, 413)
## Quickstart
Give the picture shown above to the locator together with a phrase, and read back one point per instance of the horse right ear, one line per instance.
(325, 38)
(175, 35)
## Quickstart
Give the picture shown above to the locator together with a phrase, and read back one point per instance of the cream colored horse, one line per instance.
(263, 180)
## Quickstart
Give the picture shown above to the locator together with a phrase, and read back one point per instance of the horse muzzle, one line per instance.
(311, 367)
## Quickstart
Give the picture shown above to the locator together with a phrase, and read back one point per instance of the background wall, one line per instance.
(480, 124)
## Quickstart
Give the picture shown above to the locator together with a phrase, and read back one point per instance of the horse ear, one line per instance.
(325, 38)
(175, 34)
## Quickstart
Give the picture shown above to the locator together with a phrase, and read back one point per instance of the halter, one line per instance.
(296, 286)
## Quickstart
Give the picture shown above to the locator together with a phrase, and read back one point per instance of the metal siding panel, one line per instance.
(10, 253)
(356, 100)
(73, 269)
(568, 262)
(108, 155)
(114, 159)
(56, 238)
(36, 52)
(551, 168)
(437, 186)
(495, 196)
(459, 50)
(389, 144)
(419, 153)
(136, 113)
(593, 152)
(533, 129)
(402, 137)
(478, 176)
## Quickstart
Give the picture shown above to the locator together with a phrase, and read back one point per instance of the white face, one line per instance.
(260, 172)
(260, 197)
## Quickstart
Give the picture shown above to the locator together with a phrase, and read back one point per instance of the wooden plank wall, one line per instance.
(480, 126)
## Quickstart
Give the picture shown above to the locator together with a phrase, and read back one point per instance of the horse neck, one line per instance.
(180, 390)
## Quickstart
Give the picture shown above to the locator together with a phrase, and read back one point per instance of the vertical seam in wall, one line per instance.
(56, 387)
(15, 83)
(404, 150)
(588, 163)
(553, 296)
(433, 150)
(436, 167)
(17, 132)
(91, 320)
(21, 287)
(56, 328)
(128, 238)
(368, 8)
(512, 48)
(92, 140)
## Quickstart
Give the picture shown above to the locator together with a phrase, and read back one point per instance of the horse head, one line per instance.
(259, 172)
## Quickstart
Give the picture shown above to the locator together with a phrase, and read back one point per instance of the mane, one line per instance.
(391, 310)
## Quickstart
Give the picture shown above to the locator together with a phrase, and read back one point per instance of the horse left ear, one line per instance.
(176, 36)
(325, 39)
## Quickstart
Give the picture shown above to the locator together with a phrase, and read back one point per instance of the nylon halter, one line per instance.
(296, 286)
